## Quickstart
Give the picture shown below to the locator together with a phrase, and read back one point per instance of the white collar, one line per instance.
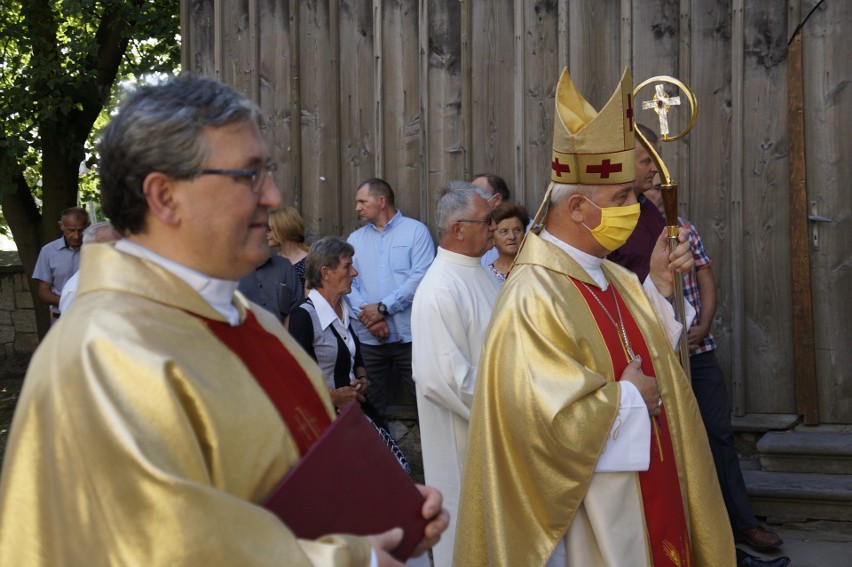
(460, 259)
(325, 312)
(218, 293)
(591, 264)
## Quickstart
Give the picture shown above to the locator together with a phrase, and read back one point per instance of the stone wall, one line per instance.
(18, 333)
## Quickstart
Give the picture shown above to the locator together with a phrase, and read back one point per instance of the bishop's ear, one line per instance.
(575, 204)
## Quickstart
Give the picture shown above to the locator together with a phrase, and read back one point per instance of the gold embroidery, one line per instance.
(671, 552)
(307, 424)
(617, 428)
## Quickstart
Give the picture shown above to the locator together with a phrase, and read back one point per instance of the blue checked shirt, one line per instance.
(390, 264)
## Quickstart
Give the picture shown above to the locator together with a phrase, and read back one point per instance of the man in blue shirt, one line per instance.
(392, 254)
(60, 259)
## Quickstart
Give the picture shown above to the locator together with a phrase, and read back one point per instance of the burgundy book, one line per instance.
(349, 482)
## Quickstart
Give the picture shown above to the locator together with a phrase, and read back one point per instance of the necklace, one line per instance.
(618, 326)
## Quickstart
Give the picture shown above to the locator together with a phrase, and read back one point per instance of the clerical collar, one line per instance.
(591, 264)
(459, 259)
(325, 312)
(218, 293)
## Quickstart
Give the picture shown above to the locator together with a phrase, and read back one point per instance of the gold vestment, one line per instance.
(140, 439)
(544, 404)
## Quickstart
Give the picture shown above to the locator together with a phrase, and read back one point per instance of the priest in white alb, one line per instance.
(451, 311)
(586, 446)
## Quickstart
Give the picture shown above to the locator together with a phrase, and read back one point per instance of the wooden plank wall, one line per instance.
(828, 116)
(423, 91)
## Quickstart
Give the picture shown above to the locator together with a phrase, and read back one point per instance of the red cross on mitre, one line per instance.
(629, 111)
(559, 168)
(604, 168)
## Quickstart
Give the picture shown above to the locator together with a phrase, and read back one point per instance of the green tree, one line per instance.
(61, 62)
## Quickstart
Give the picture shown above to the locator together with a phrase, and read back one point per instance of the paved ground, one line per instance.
(814, 548)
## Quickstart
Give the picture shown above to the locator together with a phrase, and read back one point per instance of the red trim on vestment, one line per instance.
(664, 512)
(280, 376)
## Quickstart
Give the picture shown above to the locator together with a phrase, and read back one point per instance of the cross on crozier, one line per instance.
(661, 104)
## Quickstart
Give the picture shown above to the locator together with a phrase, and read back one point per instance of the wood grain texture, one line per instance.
(766, 201)
(828, 115)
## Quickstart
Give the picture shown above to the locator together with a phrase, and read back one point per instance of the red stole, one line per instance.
(280, 376)
(661, 497)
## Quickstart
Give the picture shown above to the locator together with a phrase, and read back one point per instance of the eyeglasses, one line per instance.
(256, 176)
(486, 221)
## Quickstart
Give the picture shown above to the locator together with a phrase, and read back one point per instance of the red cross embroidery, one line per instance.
(560, 168)
(605, 168)
(630, 111)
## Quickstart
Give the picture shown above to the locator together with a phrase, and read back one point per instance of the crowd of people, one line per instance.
(557, 426)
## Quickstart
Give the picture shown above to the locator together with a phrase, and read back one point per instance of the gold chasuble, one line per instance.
(546, 399)
(141, 438)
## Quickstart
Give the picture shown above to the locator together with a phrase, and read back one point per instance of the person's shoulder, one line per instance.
(413, 223)
(53, 246)
(358, 233)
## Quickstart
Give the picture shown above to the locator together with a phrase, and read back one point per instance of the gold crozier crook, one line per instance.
(661, 104)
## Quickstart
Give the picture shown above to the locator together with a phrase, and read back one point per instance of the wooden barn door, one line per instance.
(827, 73)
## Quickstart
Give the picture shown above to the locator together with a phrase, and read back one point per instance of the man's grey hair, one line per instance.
(160, 127)
(456, 202)
(563, 191)
(325, 253)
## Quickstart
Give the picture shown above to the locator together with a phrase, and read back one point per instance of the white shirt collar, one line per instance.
(325, 312)
(218, 293)
(592, 264)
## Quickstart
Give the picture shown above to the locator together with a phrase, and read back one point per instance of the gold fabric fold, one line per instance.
(141, 440)
(544, 404)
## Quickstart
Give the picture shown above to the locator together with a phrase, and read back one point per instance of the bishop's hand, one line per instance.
(647, 385)
(663, 261)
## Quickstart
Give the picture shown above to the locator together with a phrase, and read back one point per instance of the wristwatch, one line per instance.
(382, 308)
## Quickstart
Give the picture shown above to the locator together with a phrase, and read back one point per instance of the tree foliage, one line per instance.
(61, 63)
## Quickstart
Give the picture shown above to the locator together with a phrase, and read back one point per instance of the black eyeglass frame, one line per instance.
(256, 176)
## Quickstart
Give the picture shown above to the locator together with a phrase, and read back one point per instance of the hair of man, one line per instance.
(378, 187)
(456, 202)
(286, 224)
(497, 183)
(160, 127)
(74, 212)
(325, 253)
(649, 134)
(511, 210)
(563, 191)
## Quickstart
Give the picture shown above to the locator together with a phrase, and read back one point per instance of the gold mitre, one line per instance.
(589, 147)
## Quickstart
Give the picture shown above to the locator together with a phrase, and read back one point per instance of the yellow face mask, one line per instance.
(617, 224)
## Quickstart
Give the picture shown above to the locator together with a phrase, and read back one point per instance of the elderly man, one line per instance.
(60, 259)
(162, 411)
(586, 446)
(392, 254)
(98, 232)
(448, 321)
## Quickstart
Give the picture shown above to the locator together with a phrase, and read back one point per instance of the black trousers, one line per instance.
(386, 366)
(708, 384)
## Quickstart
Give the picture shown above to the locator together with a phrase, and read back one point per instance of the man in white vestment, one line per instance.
(451, 311)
